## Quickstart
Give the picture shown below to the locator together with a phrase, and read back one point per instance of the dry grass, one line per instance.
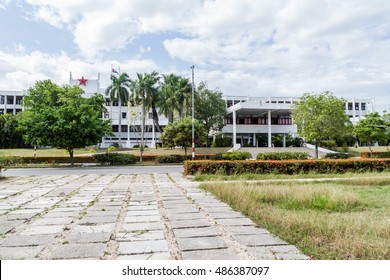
(326, 220)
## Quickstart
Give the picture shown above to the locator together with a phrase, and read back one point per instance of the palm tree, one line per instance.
(144, 92)
(119, 90)
(176, 92)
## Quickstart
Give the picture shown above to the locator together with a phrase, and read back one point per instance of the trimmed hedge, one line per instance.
(286, 167)
(232, 156)
(282, 156)
(337, 155)
(13, 160)
(115, 159)
(375, 155)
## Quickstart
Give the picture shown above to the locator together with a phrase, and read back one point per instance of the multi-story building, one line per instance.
(129, 115)
(11, 101)
(249, 118)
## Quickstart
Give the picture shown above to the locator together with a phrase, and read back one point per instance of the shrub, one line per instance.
(112, 149)
(92, 151)
(170, 159)
(14, 161)
(222, 142)
(282, 156)
(235, 155)
(337, 155)
(115, 159)
(286, 167)
(328, 144)
(375, 155)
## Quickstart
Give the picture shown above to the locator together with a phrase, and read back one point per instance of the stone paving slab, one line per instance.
(99, 237)
(19, 253)
(195, 232)
(142, 226)
(52, 221)
(6, 226)
(27, 240)
(201, 243)
(154, 256)
(38, 230)
(98, 219)
(190, 223)
(142, 247)
(140, 235)
(79, 251)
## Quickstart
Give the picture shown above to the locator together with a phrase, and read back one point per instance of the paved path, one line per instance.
(144, 216)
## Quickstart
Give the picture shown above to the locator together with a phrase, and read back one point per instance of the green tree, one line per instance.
(143, 91)
(119, 91)
(210, 109)
(371, 129)
(10, 136)
(320, 116)
(386, 118)
(176, 96)
(179, 133)
(60, 117)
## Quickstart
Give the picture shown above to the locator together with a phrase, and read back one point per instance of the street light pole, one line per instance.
(193, 114)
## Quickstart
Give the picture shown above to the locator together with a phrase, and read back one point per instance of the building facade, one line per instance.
(250, 118)
(11, 101)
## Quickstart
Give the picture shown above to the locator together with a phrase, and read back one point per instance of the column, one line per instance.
(269, 130)
(234, 128)
(284, 140)
(254, 140)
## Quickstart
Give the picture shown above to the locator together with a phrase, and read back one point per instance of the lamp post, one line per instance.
(193, 113)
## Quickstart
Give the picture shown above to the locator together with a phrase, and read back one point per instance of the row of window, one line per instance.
(9, 111)
(124, 115)
(259, 120)
(148, 128)
(363, 106)
(10, 100)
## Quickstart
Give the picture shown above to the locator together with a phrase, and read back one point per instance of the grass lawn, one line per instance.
(148, 151)
(366, 149)
(342, 219)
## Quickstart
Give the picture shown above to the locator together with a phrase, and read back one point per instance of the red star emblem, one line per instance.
(82, 81)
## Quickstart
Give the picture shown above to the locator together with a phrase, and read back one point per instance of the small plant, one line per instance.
(65, 242)
(111, 149)
(92, 151)
(115, 159)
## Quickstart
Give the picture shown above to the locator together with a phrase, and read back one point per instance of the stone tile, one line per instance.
(19, 253)
(185, 216)
(94, 228)
(142, 226)
(245, 230)
(98, 213)
(220, 254)
(38, 230)
(142, 219)
(287, 252)
(98, 220)
(201, 243)
(235, 222)
(227, 215)
(259, 240)
(7, 226)
(77, 251)
(261, 253)
(142, 207)
(27, 240)
(195, 232)
(142, 213)
(99, 237)
(190, 223)
(181, 210)
(140, 235)
(52, 221)
(155, 256)
(212, 209)
(142, 247)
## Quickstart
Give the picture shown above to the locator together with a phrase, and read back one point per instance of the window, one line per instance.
(124, 115)
(115, 128)
(10, 111)
(363, 106)
(356, 106)
(115, 103)
(19, 100)
(2, 99)
(349, 106)
(106, 115)
(229, 103)
(1, 111)
(10, 100)
(124, 128)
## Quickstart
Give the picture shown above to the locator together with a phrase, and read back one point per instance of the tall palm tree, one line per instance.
(119, 90)
(176, 92)
(144, 92)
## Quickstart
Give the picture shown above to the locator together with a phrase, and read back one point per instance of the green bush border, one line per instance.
(286, 167)
(375, 155)
(282, 156)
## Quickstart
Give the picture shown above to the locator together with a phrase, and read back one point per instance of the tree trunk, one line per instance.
(369, 147)
(70, 151)
(316, 145)
(155, 119)
(170, 117)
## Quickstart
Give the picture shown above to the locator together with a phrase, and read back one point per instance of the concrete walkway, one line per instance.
(144, 216)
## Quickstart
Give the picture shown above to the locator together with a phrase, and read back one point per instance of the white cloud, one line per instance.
(4, 3)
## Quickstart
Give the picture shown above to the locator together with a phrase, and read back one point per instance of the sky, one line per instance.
(246, 47)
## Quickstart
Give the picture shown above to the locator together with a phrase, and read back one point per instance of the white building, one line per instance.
(11, 101)
(130, 117)
(251, 117)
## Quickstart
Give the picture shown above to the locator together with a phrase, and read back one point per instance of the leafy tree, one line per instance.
(119, 90)
(386, 118)
(210, 109)
(320, 116)
(176, 96)
(60, 117)
(10, 137)
(144, 90)
(179, 133)
(371, 129)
